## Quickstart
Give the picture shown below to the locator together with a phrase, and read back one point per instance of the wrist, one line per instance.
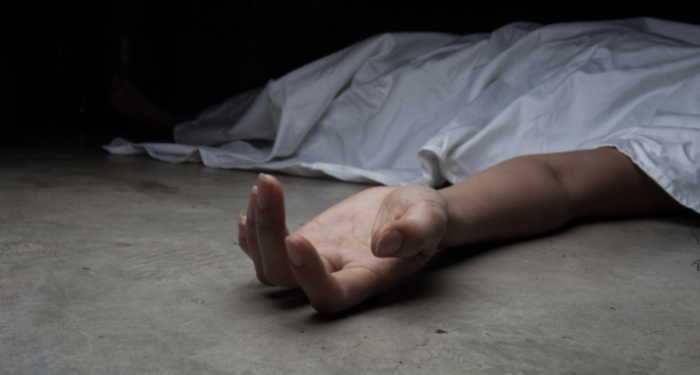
(458, 232)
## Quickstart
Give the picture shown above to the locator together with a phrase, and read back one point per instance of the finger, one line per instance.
(252, 238)
(333, 292)
(324, 291)
(242, 242)
(417, 231)
(271, 232)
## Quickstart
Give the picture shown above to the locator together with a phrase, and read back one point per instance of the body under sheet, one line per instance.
(429, 107)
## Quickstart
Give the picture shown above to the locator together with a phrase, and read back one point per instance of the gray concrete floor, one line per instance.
(126, 265)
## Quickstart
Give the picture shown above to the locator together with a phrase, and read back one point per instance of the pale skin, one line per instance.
(367, 243)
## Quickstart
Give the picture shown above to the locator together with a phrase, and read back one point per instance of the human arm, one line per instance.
(535, 194)
(367, 243)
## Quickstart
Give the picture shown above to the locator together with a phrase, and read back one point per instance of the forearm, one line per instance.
(534, 194)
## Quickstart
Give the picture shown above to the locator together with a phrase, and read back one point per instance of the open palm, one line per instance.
(360, 247)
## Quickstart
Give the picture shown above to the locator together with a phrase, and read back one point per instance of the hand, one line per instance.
(358, 248)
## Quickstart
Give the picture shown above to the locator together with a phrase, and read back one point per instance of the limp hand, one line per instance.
(358, 248)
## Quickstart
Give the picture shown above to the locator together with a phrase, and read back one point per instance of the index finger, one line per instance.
(271, 231)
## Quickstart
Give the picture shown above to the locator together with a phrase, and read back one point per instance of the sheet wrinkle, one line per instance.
(429, 107)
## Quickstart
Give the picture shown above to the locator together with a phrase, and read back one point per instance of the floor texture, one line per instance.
(127, 265)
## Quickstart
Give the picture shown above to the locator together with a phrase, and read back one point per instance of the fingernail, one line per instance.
(251, 204)
(264, 192)
(389, 243)
(294, 252)
(241, 225)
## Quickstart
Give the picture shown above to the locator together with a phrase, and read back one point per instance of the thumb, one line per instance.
(418, 230)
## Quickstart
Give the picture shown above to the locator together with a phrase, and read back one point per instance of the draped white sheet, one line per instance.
(429, 107)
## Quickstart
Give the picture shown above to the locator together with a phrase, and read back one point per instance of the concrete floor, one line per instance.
(126, 265)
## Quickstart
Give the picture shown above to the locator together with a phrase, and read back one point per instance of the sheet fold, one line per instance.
(429, 107)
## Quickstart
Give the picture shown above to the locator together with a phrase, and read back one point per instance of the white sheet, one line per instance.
(429, 107)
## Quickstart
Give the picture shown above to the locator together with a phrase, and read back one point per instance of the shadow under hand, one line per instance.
(287, 299)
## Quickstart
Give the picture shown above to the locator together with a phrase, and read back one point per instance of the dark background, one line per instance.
(58, 57)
